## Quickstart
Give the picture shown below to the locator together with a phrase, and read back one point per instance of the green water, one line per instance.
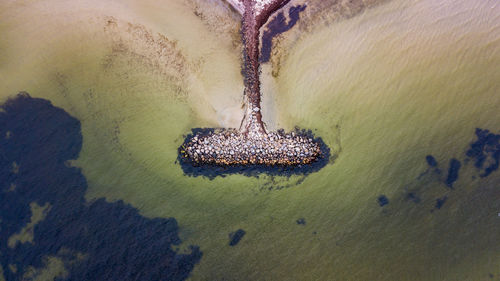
(384, 89)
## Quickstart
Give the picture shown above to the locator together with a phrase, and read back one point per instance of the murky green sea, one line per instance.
(384, 88)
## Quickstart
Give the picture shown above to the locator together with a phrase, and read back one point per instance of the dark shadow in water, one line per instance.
(382, 200)
(485, 152)
(440, 202)
(301, 221)
(486, 147)
(431, 161)
(453, 172)
(235, 237)
(413, 197)
(211, 171)
(36, 140)
(277, 26)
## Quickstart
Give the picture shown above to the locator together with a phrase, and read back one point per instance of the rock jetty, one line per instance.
(252, 144)
(229, 147)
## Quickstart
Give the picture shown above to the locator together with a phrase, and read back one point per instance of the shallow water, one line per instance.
(384, 89)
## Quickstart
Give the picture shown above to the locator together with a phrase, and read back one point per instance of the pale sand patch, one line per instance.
(316, 16)
(50, 28)
(26, 234)
(53, 268)
(12, 268)
(268, 90)
(2, 277)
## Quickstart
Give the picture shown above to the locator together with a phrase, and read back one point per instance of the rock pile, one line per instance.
(252, 145)
(230, 147)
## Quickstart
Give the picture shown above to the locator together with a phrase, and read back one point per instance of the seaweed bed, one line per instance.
(95, 240)
(485, 153)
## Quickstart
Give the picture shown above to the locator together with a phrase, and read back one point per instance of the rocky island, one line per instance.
(252, 144)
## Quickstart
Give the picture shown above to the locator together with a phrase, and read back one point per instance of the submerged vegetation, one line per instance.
(95, 240)
(407, 82)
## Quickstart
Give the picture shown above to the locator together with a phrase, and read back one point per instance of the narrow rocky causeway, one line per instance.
(252, 144)
(229, 147)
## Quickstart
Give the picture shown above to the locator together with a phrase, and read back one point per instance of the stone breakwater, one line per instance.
(255, 15)
(252, 144)
(228, 147)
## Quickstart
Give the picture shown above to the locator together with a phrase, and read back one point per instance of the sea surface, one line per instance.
(405, 93)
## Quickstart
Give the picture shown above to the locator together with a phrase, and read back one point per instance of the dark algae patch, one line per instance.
(382, 200)
(235, 237)
(413, 197)
(301, 221)
(485, 150)
(453, 172)
(431, 161)
(95, 240)
(484, 153)
(440, 202)
(277, 26)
